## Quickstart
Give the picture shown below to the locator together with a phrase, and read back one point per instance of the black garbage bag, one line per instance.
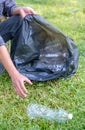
(44, 52)
(1, 68)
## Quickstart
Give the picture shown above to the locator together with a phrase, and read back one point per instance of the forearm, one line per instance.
(7, 62)
(17, 78)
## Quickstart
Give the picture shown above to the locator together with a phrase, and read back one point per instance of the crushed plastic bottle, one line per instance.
(38, 110)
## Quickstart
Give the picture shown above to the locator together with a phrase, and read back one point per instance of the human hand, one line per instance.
(18, 83)
(25, 11)
(17, 78)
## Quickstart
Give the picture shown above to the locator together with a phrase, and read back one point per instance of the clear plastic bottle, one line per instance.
(38, 110)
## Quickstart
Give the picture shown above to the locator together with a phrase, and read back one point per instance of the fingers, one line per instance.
(25, 11)
(22, 13)
(19, 86)
(32, 11)
(21, 90)
(28, 10)
(22, 87)
(28, 81)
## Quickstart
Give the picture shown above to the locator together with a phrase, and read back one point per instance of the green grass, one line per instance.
(69, 93)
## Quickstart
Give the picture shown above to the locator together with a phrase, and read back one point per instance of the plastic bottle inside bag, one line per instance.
(40, 111)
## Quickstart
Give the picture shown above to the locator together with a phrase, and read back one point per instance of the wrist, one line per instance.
(17, 10)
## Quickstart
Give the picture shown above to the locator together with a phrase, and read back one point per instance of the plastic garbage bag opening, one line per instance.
(43, 51)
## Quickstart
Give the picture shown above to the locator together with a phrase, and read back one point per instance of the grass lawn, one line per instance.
(69, 93)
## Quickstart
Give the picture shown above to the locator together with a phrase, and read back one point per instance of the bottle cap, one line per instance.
(70, 116)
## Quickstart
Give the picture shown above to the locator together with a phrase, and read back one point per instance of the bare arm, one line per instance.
(16, 77)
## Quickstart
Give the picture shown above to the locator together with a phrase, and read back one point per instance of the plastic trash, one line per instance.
(38, 110)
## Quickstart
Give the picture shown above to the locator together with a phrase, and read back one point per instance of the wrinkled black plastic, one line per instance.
(1, 68)
(44, 52)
